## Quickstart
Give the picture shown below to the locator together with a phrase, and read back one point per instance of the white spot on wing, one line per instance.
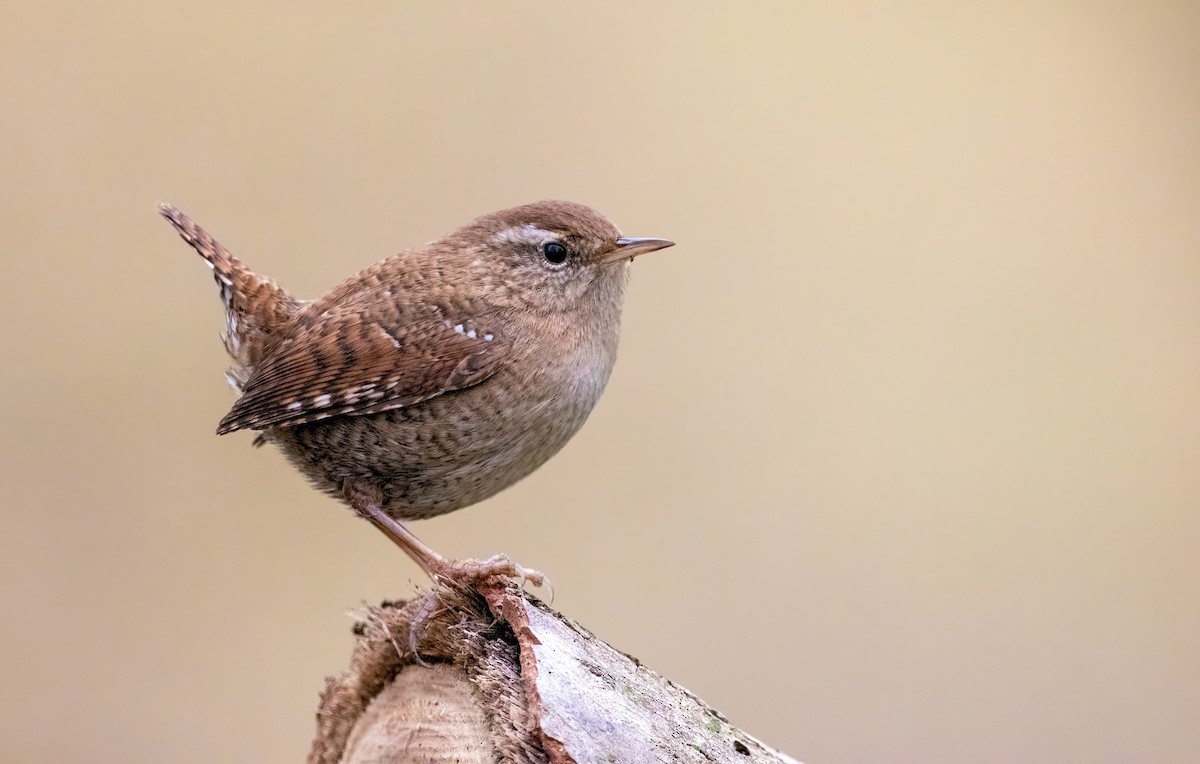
(471, 334)
(395, 342)
(459, 329)
(488, 337)
(294, 405)
(321, 400)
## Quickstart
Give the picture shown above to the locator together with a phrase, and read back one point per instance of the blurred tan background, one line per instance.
(900, 461)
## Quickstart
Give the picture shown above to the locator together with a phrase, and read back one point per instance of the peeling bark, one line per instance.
(507, 679)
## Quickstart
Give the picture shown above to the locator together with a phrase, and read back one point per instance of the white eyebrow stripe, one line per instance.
(525, 234)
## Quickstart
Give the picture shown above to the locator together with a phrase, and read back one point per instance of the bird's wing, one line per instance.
(341, 365)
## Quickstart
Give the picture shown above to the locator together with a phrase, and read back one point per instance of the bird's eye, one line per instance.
(555, 253)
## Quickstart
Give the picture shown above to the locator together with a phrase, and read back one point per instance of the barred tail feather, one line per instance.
(255, 306)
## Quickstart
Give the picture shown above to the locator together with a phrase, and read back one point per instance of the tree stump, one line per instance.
(494, 675)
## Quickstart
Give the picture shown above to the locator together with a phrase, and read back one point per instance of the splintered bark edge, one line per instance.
(505, 678)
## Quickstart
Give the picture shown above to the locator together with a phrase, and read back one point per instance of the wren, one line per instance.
(437, 377)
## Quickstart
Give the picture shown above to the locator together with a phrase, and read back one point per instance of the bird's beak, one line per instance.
(627, 249)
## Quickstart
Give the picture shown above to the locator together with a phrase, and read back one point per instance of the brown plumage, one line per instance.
(439, 376)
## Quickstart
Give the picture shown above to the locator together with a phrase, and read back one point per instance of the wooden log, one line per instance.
(494, 675)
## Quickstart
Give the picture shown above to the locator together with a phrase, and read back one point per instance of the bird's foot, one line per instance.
(472, 572)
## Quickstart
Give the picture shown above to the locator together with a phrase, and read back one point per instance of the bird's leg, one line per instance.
(437, 567)
(425, 558)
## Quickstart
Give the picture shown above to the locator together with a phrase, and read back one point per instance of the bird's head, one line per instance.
(551, 256)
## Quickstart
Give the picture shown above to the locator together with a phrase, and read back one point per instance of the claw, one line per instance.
(545, 584)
